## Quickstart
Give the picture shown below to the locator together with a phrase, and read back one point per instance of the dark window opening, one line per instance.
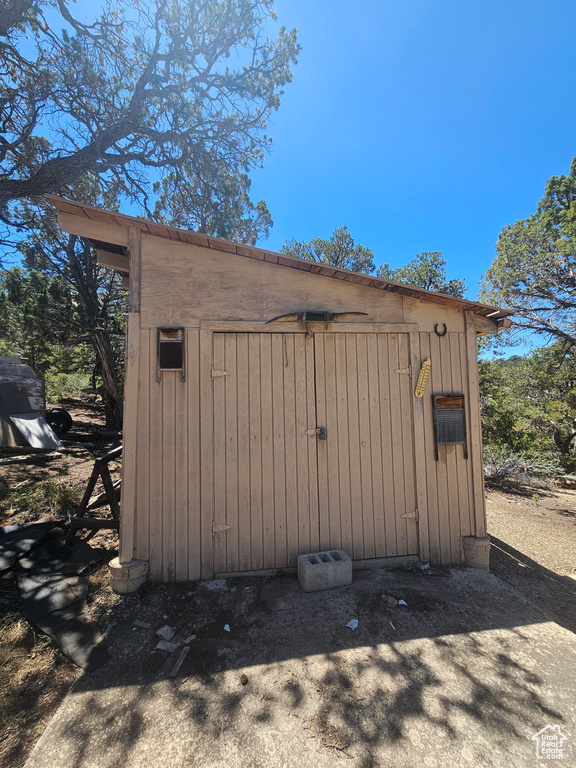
(170, 350)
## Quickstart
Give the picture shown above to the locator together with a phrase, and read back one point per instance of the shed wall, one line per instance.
(186, 285)
(174, 507)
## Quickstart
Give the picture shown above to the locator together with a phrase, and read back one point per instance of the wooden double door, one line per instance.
(280, 488)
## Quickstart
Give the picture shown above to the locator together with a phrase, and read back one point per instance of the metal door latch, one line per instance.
(217, 527)
(319, 431)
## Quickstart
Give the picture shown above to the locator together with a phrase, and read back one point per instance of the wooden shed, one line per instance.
(249, 440)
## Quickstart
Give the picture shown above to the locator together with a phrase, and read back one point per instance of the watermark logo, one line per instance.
(549, 743)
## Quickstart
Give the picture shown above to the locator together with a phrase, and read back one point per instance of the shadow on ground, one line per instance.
(553, 593)
(464, 675)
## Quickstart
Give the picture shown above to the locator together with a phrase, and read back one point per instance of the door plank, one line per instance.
(352, 402)
(221, 488)
(254, 379)
(410, 526)
(268, 468)
(323, 419)
(194, 479)
(343, 443)
(244, 517)
(375, 419)
(384, 366)
(279, 448)
(291, 456)
(366, 445)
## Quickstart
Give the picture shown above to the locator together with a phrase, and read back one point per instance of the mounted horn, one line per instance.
(321, 316)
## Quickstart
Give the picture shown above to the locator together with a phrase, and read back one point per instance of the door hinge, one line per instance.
(407, 371)
(413, 515)
(214, 374)
(217, 527)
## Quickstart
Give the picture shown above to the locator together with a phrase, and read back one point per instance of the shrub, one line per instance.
(62, 385)
(501, 463)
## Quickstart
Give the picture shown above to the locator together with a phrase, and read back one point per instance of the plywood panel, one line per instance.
(128, 516)
(142, 515)
(451, 452)
(462, 524)
(204, 283)
(430, 463)
(168, 474)
(475, 427)
(155, 478)
(467, 525)
(437, 387)
(265, 485)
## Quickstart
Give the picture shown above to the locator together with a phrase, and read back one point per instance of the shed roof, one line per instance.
(100, 215)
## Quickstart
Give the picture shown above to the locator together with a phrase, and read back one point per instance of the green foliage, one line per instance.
(63, 385)
(213, 201)
(52, 497)
(339, 251)
(427, 270)
(64, 312)
(36, 314)
(529, 405)
(130, 86)
(534, 272)
(501, 463)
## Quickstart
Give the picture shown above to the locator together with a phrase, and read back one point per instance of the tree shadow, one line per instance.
(457, 668)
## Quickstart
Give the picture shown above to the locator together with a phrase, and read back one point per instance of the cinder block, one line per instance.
(324, 570)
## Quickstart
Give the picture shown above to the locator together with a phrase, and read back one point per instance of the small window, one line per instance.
(170, 350)
(449, 421)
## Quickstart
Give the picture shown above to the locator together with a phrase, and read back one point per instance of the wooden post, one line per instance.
(419, 453)
(128, 517)
(475, 436)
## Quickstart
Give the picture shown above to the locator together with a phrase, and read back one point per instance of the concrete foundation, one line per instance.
(324, 570)
(477, 551)
(127, 577)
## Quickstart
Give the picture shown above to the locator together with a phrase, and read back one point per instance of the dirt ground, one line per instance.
(534, 550)
(34, 674)
(533, 534)
(463, 675)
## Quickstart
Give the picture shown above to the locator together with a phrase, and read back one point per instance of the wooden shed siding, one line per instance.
(204, 284)
(180, 485)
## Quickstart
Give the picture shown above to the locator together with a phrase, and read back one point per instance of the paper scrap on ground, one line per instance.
(165, 632)
(226, 628)
(164, 645)
(403, 602)
(352, 624)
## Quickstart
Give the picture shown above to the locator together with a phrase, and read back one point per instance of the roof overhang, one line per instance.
(108, 231)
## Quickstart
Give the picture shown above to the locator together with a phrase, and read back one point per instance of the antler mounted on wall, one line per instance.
(322, 316)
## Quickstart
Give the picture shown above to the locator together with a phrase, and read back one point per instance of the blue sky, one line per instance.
(421, 125)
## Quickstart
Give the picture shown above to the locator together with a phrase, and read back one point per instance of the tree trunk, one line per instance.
(113, 401)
